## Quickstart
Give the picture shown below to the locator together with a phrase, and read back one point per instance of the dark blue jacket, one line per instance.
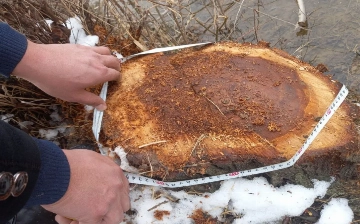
(45, 163)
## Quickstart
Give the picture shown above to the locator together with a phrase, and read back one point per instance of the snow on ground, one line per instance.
(78, 35)
(6, 118)
(336, 211)
(256, 201)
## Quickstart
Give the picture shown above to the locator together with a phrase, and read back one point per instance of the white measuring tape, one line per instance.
(164, 49)
(138, 179)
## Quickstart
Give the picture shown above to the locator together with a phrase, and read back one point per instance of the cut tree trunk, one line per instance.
(229, 107)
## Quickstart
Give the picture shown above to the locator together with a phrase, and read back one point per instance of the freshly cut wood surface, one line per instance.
(223, 102)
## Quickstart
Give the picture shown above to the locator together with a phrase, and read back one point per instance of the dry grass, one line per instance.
(25, 102)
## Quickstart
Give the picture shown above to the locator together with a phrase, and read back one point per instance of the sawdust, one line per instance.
(159, 214)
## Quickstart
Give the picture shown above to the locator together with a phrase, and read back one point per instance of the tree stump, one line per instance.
(228, 107)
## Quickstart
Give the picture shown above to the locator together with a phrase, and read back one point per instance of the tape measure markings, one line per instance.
(138, 179)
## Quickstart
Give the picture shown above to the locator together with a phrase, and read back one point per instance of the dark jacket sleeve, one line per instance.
(12, 48)
(18, 152)
(45, 163)
(54, 176)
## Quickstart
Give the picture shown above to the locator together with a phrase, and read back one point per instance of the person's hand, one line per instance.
(98, 191)
(65, 70)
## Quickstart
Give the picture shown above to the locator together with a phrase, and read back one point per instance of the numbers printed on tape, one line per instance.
(234, 174)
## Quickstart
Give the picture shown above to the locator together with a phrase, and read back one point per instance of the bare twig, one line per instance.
(151, 167)
(198, 142)
(236, 18)
(152, 143)
(255, 27)
(214, 105)
(161, 203)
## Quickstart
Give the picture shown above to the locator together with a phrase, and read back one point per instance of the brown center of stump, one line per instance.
(221, 93)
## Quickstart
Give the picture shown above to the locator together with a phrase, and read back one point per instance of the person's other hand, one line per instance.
(65, 70)
(98, 191)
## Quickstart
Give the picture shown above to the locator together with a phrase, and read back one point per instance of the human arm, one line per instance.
(65, 70)
(61, 70)
(21, 153)
(98, 191)
(56, 66)
(80, 184)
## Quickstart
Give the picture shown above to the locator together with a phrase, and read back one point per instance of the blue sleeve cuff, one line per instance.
(13, 46)
(54, 176)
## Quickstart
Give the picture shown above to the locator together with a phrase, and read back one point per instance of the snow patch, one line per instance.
(6, 118)
(48, 134)
(337, 211)
(255, 200)
(78, 35)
